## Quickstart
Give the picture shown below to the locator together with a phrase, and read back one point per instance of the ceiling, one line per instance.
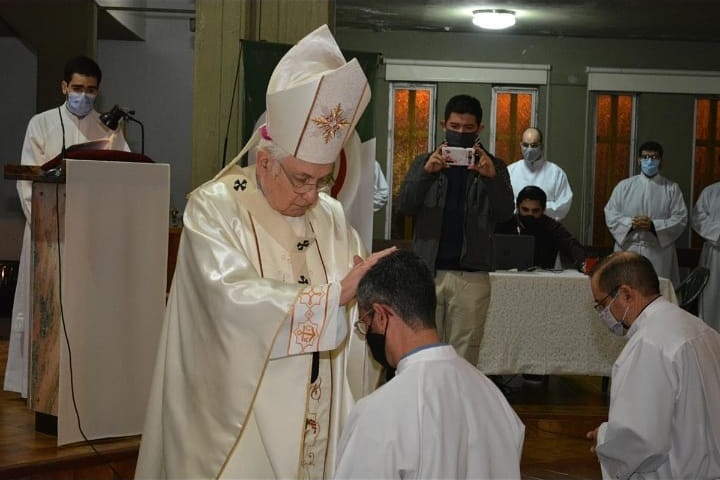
(678, 20)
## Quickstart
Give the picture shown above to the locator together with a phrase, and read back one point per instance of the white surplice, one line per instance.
(43, 142)
(662, 201)
(254, 295)
(706, 222)
(548, 176)
(664, 420)
(438, 418)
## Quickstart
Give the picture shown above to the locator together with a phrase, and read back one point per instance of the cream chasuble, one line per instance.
(255, 295)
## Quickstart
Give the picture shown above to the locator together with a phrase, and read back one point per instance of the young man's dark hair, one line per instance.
(464, 104)
(531, 192)
(651, 146)
(404, 282)
(82, 65)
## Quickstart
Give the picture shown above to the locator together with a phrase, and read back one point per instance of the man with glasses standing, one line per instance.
(646, 213)
(258, 366)
(48, 134)
(664, 420)
(439, 417)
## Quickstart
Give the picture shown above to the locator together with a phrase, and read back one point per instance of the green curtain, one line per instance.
(259, 60)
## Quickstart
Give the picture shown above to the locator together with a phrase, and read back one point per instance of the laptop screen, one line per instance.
(513, 251)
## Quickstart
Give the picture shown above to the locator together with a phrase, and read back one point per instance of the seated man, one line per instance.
(439, 417)
(550, 235)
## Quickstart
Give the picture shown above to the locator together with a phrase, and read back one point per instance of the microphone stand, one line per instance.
(113, 117)
(129, 117)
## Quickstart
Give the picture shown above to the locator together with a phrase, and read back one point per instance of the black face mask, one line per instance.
(458, 139)
(529, 222)
(376, 342)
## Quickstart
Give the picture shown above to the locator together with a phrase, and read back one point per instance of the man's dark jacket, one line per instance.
(488, 201)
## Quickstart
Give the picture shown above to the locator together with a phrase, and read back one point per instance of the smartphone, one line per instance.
(458, 156)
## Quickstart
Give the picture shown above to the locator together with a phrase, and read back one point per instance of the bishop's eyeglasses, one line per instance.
(302, 188)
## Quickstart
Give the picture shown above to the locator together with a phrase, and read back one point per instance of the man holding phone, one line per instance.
(455, 207)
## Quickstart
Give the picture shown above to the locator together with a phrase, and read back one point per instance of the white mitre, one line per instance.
(314, 100)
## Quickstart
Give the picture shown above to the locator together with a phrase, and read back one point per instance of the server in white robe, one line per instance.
(706, 222)
(381, 189)
(48, 134)
(646, 213)
(664, 420)
(439, 417)
(535, 170)
(257, 365)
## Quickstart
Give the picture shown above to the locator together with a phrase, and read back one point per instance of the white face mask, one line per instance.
(614, 325)
(532, 156)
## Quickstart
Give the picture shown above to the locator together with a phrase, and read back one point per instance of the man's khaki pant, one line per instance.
(463, 301)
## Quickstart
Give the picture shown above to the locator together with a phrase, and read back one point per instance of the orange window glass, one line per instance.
(613, 136)
(410, 138)
(513, 113)
(707, 150)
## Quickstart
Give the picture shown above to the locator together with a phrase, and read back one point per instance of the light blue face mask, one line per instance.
(80, 104)
(649, 166)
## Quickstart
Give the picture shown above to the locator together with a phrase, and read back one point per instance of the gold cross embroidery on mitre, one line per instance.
(331, 123)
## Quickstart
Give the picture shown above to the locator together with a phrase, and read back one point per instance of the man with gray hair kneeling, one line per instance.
(664, 419)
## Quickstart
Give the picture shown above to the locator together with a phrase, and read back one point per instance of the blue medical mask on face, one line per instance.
(80, 104)
(460, 139)
(649, 166)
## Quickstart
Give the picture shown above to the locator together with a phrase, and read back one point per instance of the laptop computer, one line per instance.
(513, 251)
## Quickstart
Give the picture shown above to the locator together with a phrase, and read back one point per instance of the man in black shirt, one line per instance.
(550, 235)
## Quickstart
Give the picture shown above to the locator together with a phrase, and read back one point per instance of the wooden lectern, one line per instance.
(99, 250)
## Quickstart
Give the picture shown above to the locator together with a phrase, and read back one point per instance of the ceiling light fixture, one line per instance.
(494, 19)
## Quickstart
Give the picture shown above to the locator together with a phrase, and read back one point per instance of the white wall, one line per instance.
(17, 101)
(153, 77)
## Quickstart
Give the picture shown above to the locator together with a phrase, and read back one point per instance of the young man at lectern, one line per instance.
(48, 134)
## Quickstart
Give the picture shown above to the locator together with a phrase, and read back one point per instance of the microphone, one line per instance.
(112, 118)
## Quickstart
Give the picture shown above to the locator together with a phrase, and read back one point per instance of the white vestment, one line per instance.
(254, 296)
(664, 418)
(43, 142)
(381, 189)
(706, 222)
(662, 201)
(551, 179)
(438, 418)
